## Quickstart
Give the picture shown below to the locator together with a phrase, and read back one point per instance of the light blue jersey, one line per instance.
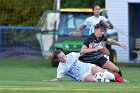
(74, 68)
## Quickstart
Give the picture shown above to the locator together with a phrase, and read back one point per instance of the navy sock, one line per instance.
(120, 73)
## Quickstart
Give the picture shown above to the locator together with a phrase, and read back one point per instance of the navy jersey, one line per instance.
(93, 56)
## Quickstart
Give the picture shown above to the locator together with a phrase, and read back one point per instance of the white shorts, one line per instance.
(88, 71)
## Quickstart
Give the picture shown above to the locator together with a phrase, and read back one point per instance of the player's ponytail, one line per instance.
(101, 25)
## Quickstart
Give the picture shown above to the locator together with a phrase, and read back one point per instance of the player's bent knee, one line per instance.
(115, 69)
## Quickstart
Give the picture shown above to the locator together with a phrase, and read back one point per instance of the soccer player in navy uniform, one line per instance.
(95, 55)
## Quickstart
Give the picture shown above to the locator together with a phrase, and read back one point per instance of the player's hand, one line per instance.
(56, 79)
(123, 46)
(90, 45)
(99, 47)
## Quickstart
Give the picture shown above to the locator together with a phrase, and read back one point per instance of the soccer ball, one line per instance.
(100, 77)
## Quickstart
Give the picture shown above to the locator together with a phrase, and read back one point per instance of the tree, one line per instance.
(22, 12)
(81, 3)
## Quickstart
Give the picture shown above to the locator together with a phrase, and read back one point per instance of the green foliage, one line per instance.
(82, 3)
(28, 12)
(22, 12)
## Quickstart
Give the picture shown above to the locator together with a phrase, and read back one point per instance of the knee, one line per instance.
(115, 69)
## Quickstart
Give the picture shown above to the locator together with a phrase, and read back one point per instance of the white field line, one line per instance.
(66, 89)
(60, 87)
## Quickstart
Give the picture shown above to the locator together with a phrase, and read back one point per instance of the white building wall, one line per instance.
(118, 14)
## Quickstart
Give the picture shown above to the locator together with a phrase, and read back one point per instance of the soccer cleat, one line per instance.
(118, 78)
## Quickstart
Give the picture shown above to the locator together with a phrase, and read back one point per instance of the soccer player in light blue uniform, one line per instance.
(70, 66)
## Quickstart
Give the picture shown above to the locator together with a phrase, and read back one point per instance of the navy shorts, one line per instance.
(100, 62)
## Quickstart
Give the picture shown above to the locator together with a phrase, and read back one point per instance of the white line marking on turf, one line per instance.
(56, 88)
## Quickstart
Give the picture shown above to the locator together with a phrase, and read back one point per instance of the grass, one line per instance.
(25, 76)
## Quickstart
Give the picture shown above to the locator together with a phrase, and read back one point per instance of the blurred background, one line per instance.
(21, 21)
(18, 20)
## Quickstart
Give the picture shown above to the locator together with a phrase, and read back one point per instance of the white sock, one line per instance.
(109, 75)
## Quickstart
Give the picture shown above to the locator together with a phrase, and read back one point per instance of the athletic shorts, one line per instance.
(100, 62)
(88, 72)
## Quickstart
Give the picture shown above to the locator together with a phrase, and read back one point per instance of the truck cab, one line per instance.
(64, 32)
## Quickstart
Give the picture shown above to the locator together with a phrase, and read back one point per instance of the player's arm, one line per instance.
(76, 54)
(56, 79)
(81, 28)
(114, 42)
(105, 51)
(85, 49)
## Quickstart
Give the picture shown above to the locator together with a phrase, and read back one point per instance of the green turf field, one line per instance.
(25, 76)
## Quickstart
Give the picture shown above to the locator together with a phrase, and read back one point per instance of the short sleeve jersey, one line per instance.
(73, 68)
(92, 21)
(93, 56)
(92, 38)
